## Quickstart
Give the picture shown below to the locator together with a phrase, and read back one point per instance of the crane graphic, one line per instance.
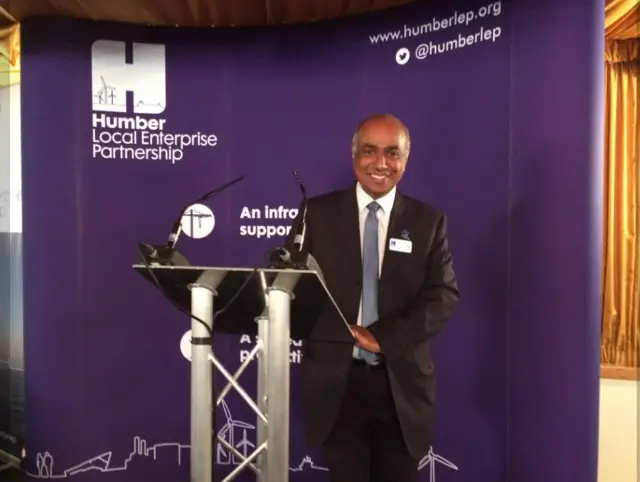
(193, 221)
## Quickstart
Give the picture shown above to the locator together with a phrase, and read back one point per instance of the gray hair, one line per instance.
(366, 120)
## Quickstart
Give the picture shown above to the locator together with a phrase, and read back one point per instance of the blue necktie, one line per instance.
(370, 273)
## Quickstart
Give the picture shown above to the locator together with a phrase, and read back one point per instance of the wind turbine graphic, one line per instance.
(245, 444)
(106, 95)
(430, 460)
(228, 432)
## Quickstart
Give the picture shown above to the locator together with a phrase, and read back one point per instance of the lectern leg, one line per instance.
(201, 387)
(278, 385)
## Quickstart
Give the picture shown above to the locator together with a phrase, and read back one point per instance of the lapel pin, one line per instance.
(405, 234)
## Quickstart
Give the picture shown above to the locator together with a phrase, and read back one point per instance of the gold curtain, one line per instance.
(9, 55)
(621, 272)
(622, 19)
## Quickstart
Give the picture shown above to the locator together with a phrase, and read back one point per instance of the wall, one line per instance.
(618, 453)
(11, 352)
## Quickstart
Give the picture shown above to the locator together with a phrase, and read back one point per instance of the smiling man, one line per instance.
(369, 398)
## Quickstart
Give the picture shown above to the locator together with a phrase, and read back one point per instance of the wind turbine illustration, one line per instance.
(245, 444)
(106, 95)
(227, 433)
(430, 460)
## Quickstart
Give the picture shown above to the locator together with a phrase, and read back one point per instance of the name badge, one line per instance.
(400, 245)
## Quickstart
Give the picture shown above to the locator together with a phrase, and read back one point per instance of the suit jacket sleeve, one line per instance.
(434, 304)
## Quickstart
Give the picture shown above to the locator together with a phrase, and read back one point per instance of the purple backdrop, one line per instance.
(501, 101)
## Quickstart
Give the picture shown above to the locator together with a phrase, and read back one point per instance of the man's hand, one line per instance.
(364, 339)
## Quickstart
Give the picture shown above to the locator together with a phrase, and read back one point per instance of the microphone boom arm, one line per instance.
(177, 225)
(166, 255)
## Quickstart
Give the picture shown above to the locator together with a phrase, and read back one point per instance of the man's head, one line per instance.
(380, 150)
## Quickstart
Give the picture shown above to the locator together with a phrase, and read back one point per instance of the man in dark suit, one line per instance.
(369, 396)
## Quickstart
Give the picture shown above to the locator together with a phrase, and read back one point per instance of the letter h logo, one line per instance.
(144, 76)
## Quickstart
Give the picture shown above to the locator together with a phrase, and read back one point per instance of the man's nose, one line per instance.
(381, 160)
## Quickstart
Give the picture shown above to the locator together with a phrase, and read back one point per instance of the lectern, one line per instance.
(275, 304)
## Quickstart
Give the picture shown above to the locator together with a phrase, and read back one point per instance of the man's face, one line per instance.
(381, 156)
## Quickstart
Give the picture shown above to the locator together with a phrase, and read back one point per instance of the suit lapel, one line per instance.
(397, 222)
(349, 236)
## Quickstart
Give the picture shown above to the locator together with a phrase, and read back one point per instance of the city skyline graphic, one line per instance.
(234, 432)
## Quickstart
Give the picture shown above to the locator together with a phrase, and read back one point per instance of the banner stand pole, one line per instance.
(202, 407)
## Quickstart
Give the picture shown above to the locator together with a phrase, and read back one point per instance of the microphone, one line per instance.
(177, 225)
(282, 254)
(281, 257)
(301, 228)
(165, 254)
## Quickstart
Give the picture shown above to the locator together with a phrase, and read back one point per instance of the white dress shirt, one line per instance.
(383, 214)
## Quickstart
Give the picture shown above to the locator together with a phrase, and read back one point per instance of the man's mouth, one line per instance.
(379, 177)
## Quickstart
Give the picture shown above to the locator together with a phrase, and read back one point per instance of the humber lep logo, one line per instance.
(112, 77)
(129, 102)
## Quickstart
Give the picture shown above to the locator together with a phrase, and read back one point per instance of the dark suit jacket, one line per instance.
(417, 294)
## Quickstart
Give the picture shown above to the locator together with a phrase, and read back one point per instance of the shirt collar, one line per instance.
(385, 202)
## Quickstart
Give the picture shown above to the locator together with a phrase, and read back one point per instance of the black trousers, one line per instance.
(366, 443)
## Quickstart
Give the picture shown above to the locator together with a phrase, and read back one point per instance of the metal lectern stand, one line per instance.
(284, 304)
